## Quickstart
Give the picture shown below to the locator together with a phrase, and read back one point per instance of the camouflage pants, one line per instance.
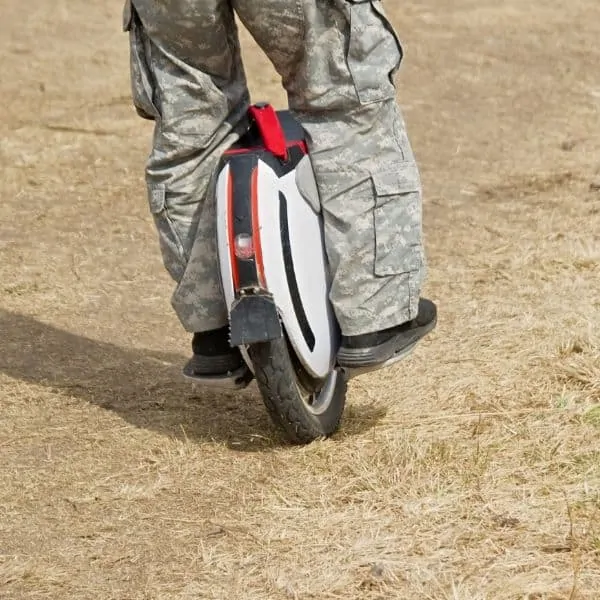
(337, 60)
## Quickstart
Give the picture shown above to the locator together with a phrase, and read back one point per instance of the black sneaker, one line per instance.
(371, 349)
(213, 356)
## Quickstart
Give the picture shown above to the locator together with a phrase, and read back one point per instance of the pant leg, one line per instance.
(188, 77)
(337, 59)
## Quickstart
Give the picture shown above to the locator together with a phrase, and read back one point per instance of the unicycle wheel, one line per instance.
(304, 409)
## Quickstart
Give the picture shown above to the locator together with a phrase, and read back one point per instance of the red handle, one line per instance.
(270, 129)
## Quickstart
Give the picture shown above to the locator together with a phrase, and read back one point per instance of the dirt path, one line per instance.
(471, 471)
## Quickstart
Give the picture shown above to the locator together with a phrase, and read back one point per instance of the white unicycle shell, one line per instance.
(284, 242)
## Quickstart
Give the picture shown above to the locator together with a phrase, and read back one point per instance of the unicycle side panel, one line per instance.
(223, 197)
(295, 269)
(222, 223)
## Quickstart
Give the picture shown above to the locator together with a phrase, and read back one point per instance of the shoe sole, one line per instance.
(384, 354)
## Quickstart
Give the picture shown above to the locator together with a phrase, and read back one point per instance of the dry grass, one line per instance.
(471, 471)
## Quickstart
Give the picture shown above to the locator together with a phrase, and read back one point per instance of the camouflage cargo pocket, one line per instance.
(374, 51)
(142, 88)
(173, 251)
(397, 221)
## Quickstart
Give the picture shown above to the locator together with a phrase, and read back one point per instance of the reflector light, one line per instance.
(243, 246)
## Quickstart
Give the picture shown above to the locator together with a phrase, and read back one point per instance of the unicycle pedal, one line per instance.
(352, 372)
(233, 380)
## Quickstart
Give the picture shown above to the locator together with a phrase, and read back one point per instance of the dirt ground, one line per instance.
(470, 471)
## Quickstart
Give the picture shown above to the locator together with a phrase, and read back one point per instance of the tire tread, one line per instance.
(276, 380)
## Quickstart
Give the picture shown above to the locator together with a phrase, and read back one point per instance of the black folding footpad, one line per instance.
(236, 380)
(254, 319)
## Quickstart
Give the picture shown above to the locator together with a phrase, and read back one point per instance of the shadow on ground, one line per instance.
(144, 388)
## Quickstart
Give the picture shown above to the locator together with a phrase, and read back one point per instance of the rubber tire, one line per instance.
(277, 381)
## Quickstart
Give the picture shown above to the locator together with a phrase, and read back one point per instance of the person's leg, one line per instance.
(337, 59)
(187, 76)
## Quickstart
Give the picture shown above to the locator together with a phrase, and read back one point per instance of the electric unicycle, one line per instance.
(275, 278)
